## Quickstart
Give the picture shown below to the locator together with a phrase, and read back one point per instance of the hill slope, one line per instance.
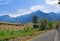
(28, 18)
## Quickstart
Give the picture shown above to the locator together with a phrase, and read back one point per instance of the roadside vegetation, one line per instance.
(5, 35)
(38, 26)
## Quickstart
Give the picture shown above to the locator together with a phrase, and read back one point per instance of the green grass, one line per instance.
(10, 34)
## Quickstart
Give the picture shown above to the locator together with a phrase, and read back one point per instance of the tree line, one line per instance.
(41, 24)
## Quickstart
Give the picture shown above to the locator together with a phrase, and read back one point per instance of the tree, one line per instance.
(59, 2)
(57, 26)
(50, 25)
(44, 24)
(35, 21)
(42, 27)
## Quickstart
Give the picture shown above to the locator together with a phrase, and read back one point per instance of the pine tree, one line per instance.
(35, 21)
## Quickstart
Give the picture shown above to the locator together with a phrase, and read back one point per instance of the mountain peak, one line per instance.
(5, 16)
(39, 11)
(28, 18)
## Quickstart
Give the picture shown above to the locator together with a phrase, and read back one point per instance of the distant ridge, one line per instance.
(28, 18)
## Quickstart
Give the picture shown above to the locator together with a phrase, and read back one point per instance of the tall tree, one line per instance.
(35, 21)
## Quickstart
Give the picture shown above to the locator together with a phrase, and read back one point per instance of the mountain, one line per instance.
(4, 18)
(28, 18)
(54, 16)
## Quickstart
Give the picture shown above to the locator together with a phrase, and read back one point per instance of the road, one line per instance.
(57, 36)
(48, 36)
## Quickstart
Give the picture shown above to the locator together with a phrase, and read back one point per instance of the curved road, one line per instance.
(48, 36)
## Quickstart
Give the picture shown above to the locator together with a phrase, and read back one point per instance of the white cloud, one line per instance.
(48, 6)
(14, 15)
(46, 9)
(52, 5)
(5, 1)
(29, 11)
(20, 12)
(23, 11)
(38, 7)
(51, 2)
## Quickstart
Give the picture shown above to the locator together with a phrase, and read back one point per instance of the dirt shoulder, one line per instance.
(26, 38)
(38, 33)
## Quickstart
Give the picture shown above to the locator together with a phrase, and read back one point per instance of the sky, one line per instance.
(16, 8)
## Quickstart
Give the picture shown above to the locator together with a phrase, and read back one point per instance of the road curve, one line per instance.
(48, 36)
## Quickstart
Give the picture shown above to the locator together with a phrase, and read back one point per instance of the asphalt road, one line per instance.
(57, 36)
(48, 36)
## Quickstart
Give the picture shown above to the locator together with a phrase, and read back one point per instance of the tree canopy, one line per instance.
(59, 2)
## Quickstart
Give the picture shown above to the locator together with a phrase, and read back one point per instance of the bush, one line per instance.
(5, 35)
(50, 25)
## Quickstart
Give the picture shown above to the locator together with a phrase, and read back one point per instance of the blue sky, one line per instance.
(16, 8)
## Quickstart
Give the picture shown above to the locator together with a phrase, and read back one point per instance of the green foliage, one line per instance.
(42, 27)
(57, 26)
(5, 35)
(35, 26)
(44, 24)
(35, 21)
(59, 2)
(50, 25)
